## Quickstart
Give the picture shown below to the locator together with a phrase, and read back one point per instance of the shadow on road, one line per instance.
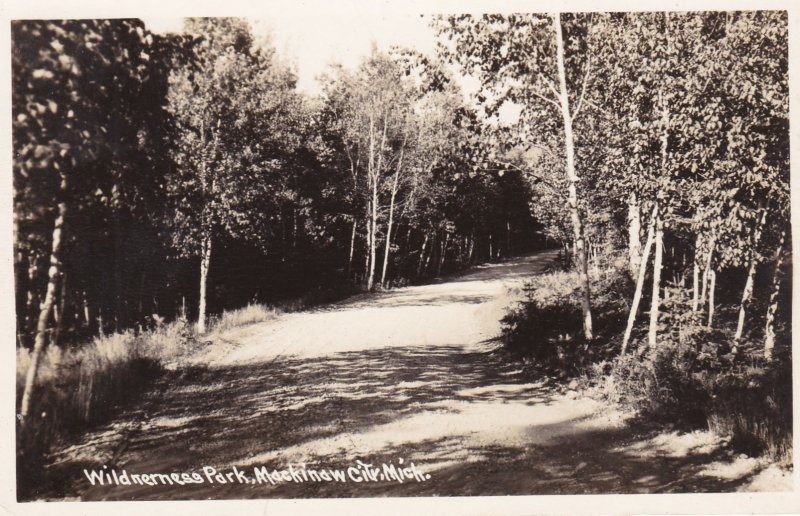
(469, 417)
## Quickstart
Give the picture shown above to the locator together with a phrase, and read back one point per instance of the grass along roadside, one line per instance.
(79, 388)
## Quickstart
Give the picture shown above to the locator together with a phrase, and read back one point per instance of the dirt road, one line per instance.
(410, 375)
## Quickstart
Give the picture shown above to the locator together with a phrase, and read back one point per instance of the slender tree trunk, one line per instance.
(32, 298)
(62, 304)
(101, 326)
(352, 247)
(772, 309)
(205, 244)
(634, 232)
(368, 246)
(572, 177)
(388, 245)
(373, 243)
(696, 274)
(45, 309)
(443, 253)
(747, 293)
(428, 259)
(655, 302)
(640, 275)
(712, 280)
(471, 248)
(422, 254)
(205, 263)
(491, 251)
(508, 238)
(87, 314)
(707, 271)
(655, 299)
(373, 176)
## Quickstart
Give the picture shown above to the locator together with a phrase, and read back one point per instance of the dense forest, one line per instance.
(159, 177)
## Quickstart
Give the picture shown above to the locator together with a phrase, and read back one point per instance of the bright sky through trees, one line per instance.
(312, 42)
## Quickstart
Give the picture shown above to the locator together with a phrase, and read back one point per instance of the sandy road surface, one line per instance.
(409, 375)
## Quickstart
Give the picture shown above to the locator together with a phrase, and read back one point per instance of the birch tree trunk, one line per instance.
(508, 238)
(373, 242)
(59, 312)
(443, 253)
(747, 293)
(577, 225)
(712, 283)
(634, 239)
(640, 275)
(422, 254)
(772, 308)
(428, 259)
(391, 220)
(655, 299)
(44, 310)
(87, 314)
(471, 248)
(368, 246)
(374, 171)
(205, 263)
(707, 271)
(696, 274)
(352, 247)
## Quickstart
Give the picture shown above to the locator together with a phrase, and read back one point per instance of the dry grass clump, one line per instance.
(252, 313)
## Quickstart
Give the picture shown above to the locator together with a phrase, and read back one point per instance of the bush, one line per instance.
(660, 383)
(546, 328)
(692, 378)
(753, 405)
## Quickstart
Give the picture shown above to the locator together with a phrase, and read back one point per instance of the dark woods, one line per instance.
(154, 144)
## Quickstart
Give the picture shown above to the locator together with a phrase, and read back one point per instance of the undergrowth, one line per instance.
(694, 378)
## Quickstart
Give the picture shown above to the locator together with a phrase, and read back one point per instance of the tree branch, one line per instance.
(550, 85)
(546, 99)
(586, 76)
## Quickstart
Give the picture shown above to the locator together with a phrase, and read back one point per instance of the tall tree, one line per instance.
(373, 108)
(82, 101)
(526, 59)
(234, 106)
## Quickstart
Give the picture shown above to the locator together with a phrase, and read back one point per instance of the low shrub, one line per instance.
(660, 383)
(753, 405)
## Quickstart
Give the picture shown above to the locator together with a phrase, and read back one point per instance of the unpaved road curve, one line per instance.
(410, 374)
